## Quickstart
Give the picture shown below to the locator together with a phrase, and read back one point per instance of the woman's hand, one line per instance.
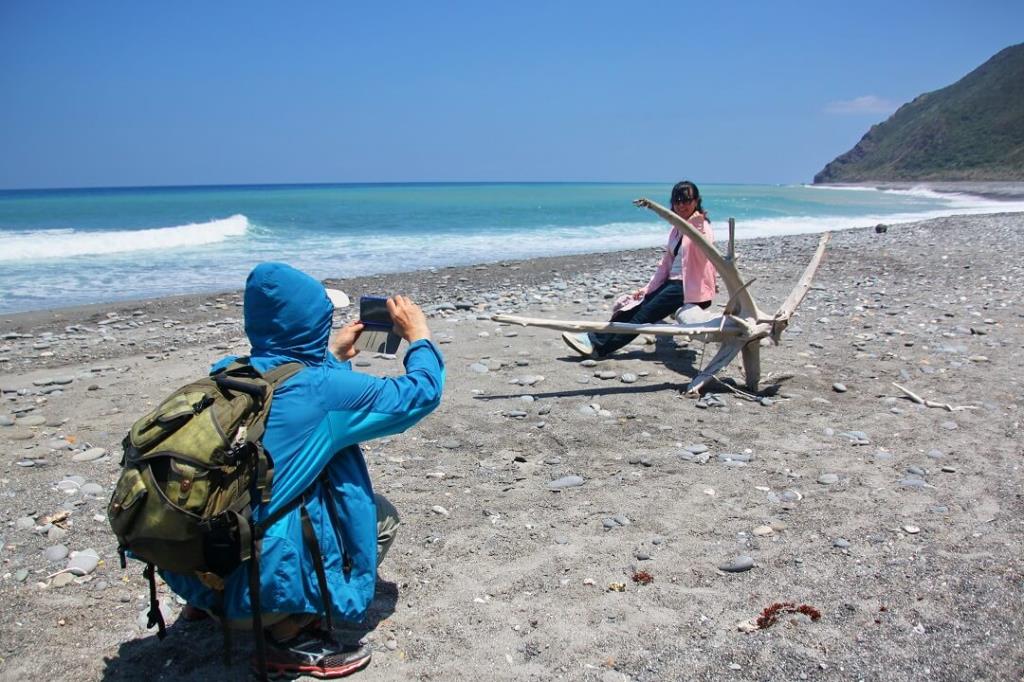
(343, 342)
(410, 322)
(642, 202)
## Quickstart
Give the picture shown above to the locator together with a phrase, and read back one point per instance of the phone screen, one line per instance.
(373, 312)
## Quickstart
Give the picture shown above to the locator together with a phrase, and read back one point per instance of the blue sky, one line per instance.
(169, 93)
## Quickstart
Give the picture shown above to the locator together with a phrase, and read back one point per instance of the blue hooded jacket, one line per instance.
(317, 419)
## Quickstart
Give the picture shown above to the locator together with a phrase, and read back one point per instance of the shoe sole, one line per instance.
(291, 672)
(571, 342)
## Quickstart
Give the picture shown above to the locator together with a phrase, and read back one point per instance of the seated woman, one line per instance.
(684, 277)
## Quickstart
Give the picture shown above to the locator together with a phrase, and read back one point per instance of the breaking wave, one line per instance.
(65, 243)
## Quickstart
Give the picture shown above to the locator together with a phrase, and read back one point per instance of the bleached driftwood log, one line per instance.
(739, 328)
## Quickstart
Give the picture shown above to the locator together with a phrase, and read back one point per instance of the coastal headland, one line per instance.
(569, 520)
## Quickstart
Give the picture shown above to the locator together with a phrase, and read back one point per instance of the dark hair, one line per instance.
(687, 191)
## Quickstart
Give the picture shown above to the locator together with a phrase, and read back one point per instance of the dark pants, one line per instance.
(656, 306)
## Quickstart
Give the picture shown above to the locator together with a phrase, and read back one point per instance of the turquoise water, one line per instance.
(68, 247)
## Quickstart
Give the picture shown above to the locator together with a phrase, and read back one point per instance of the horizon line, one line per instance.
(372, 183)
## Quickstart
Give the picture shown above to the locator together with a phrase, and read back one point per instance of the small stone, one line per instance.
(92, 489)
(32, 420)
(828, 479)
(605, 374)
(628, 378)
(449, 443)
(935, 454)
(589, 362)
(479, 368)
(912, 530)
(391, 644)
(88, 455)
(762, 531)
(6, 420)
(62, 579)
(696, 448)
(839, 388)
(738, 565)
(21, 574)
(55, 553)
(84, 562)
(641, 555)
(439, 510)
(571, 481)
(841, 543)
(949, 470)
(949, 425)
(25, 523)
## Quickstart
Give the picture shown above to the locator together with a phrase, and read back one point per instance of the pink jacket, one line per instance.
(698, 272)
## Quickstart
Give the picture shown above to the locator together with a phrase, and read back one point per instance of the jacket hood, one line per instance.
(287, 316)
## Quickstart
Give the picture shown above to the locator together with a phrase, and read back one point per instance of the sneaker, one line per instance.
(580, 343)
(314, 653)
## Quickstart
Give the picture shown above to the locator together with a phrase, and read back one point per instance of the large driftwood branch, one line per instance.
(716, 327)
(803, 285)
(726, 352)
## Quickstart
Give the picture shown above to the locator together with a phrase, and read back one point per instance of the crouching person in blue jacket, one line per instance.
(317, 419)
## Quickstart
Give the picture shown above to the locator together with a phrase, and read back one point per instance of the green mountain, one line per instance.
(970, 130)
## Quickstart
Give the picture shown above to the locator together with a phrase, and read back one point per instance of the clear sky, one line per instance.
(167, 93)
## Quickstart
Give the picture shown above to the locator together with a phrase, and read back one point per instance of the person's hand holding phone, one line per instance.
(409, 320)
(342, 343)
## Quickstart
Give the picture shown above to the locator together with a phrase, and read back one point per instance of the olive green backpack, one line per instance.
(192, 468)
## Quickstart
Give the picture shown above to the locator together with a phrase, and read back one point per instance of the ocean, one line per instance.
(68, 247)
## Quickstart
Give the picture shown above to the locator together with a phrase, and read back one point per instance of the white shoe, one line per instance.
(579, 343)
(691, 313)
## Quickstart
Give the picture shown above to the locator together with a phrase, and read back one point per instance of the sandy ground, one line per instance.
(900, 524)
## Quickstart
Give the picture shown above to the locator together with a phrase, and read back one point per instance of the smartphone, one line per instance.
(376, 336)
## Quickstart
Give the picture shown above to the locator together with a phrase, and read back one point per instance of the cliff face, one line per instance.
(970, 130)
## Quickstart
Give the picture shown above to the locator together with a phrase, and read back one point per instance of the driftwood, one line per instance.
(931, 403)
(739, 329)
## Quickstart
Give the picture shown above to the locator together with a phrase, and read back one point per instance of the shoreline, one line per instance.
(19, 321)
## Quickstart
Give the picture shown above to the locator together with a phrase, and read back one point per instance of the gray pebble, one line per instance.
(449, 443)
(571, 481)
(735, 457)
(641, 555)
(88, 455)
(55, 553)
(21, 574)
(949, 425)
(621, 519)
(479, 368)
(92, 489)
(839, 388)
(738, 565)
(514, 414)
(32, 420)
(628, 378)
(6, 420)
(589, 362)
(916, 470)
(935, 454)
(605, 374)
(84, 562)
(912, 482)
(609, 523)
(696, 448)
(828, 479)
(25, 523)
(841, 543)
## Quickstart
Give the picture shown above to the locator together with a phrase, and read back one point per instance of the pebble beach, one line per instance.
(576, 519)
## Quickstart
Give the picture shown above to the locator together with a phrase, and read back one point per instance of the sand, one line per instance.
(900, 524)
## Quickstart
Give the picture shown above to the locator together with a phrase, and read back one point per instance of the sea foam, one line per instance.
(64, 243)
